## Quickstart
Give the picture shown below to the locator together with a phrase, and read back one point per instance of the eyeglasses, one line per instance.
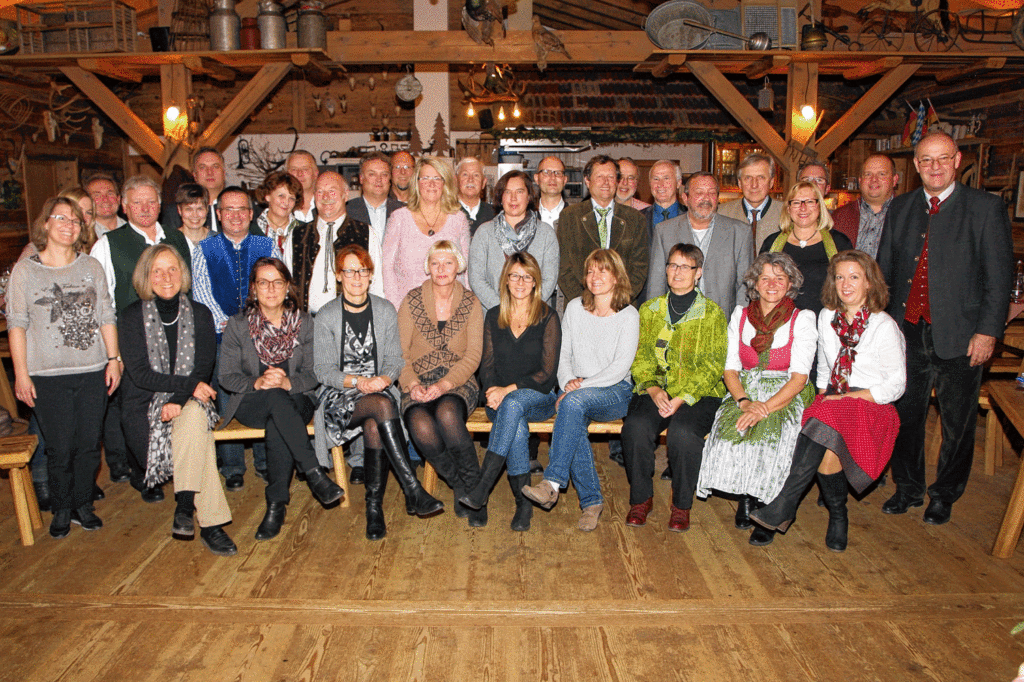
(676, 267)
(548, 173)
(515, 278)
(270, 284)
(928, 162)
(362, 272)
(432, 180)
(236, 210)
(64, 219)
(817, 181)
(401, 168)
(800, 203)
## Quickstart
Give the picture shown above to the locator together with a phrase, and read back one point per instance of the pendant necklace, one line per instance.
(430, 225)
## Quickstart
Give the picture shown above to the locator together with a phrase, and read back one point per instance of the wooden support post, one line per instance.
(175, 89)
(765, 65)
(134, 127)
(243, 104)
(865, 107)
(737, 105)
(669, 65)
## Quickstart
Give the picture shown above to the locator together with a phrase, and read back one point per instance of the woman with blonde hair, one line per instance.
(600, 331)
(518, 373)
(85, 203)
(432, 214)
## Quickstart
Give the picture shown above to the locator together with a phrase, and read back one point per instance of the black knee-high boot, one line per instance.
(781, 511)
(375, 467)
(524, 507)
(417, 500)
(469, 477)
(834, 490)
(490, 472)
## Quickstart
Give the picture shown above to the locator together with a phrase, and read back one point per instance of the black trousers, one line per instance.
(685, 443)
(957, 385)
(284, 416)
(114, 446)
(70, 409)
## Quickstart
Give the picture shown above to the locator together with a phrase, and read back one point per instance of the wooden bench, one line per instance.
(238, 431)
(1005, 396)
(479, 423)
(15, 453)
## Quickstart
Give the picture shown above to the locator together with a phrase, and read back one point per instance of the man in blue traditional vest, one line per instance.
(220, 281)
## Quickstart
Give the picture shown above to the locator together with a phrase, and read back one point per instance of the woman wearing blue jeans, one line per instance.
(522, 340)
(599, 339)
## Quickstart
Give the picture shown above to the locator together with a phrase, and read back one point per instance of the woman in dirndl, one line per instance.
(850, 428)
(770, 354)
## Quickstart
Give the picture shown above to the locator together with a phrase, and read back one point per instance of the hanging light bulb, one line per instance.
(172, 114)
(515, 110)
(808, 112)
(501, 113)
(470, 111)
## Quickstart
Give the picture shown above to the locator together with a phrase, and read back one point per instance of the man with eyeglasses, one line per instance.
(550, 177)
(727, 244)
(947, 255)
(756, 176)
(118, 251)
(862, 219)
(301, 165)
(625, 193)
(816, 173)
(469, 176)
(310, 248)
(402, 165)
(220, 281)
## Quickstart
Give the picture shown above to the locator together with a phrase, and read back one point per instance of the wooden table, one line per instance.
(1005, 396)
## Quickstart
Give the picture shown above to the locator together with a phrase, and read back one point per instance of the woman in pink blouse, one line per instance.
(432, 214)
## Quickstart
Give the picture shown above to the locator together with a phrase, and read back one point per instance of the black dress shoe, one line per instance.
(323, 488)
(154, 494)
(119, 475)
(60, 526)
(183, 524)
(536, 467)
(97, 493)
(900, 503)
(217, 541)
(42, 494)
(234, 483)
(743, 508)
(666, 475)
(85, 518)
(272, 521)
(938, 512)
(262, 473)
(761, 536)
(358, 476)
(616, 456)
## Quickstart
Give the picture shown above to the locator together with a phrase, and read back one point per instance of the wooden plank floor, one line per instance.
(439, 601)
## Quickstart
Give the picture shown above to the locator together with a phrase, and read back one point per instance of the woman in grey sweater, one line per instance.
(357, 358)
(65, 355)
(516, 228)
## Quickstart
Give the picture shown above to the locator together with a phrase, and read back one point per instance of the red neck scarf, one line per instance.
(766, 325)
(849, 336)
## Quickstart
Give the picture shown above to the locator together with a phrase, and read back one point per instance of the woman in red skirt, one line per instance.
(850, 428)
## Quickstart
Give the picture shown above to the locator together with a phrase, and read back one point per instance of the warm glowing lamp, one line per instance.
(808, 112)
(172, 114)
(470, 111)
(501, 113)
(515, 111)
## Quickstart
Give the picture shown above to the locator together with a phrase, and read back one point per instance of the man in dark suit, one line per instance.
(208, 170)
(727, 245)
(601, 223)
(375, 206)
(666, 180)
(469, 176)
(862, 219)
(946, 254)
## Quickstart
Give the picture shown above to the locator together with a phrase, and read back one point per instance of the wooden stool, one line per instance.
(15, 453)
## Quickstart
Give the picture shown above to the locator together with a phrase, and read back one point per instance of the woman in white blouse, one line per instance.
(850, 429)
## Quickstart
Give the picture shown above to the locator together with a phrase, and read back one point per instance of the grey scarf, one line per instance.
(509, 239)
(159, 460)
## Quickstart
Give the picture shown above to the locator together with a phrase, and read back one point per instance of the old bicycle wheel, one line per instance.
(936, 31)
(881, 34)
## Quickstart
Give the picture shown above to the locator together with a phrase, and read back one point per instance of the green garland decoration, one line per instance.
(615, 135)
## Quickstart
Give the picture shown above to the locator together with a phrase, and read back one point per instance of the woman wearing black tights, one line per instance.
(357, 358)
(441, 324)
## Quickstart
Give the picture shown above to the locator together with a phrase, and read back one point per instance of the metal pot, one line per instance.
(813, 37)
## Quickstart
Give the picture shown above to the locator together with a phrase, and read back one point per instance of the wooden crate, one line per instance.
(76, 26)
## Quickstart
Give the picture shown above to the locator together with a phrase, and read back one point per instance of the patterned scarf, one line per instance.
(511, 240)
(766, 325)
(849, 336)
(159, 460)
(274, 345)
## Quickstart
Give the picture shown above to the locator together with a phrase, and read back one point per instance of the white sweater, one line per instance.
(599, 350)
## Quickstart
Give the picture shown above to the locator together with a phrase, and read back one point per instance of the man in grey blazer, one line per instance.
(756, 208)
(376, 205)
(727, 245)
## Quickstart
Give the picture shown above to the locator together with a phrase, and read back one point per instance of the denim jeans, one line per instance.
(570, 454)
(510, 434)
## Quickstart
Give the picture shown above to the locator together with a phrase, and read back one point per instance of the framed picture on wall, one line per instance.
(1018, 211)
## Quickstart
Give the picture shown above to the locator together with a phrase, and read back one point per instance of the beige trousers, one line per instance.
(195, 465)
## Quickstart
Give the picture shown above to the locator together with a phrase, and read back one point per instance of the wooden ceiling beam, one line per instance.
(737, 105)
(868, 69)
(762, 67)
(208, 67)
(111, 69)
(243, 104)
(866, 106)
(978, 67)
(668, 65)
(134, 127)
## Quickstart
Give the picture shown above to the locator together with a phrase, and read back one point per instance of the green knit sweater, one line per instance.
(686, 359)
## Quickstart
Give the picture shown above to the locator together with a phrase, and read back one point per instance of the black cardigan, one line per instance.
(531, 361)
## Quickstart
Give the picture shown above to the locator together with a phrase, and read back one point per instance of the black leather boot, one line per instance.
(323, 488)
(743, 512)
(272, 521)
(417, 500)
(42, 494)
(375, 470)
(781, 511)
(490, 472)
(524, 507)
(469, 477)
(834, 490)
